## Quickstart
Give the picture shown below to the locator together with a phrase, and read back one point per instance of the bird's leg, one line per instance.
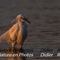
(13, 47)
(20, 48)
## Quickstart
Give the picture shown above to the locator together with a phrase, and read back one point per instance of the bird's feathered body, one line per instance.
(16, 34)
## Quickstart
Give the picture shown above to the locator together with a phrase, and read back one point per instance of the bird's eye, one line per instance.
(21, 17)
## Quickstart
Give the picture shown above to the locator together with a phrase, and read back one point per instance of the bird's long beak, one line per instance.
(26, 20)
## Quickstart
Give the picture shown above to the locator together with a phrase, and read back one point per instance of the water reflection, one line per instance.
(9, 51)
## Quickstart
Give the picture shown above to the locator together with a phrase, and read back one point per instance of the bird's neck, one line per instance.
(20, 25)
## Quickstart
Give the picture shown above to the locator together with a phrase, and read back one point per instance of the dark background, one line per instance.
(44, 30)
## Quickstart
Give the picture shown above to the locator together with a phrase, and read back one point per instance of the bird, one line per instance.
(17, 33)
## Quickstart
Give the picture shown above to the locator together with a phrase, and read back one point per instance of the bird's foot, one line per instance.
(13, 50)
(21, 50)
(9, 49)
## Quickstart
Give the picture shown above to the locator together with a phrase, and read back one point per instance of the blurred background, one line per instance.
(44, 30)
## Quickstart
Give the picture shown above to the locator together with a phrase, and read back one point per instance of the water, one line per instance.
(44, 30)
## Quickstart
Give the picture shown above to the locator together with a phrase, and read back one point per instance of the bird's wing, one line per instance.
(9, 33)
(13, 31)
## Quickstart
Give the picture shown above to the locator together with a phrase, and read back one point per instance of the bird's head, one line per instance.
(22, 18)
